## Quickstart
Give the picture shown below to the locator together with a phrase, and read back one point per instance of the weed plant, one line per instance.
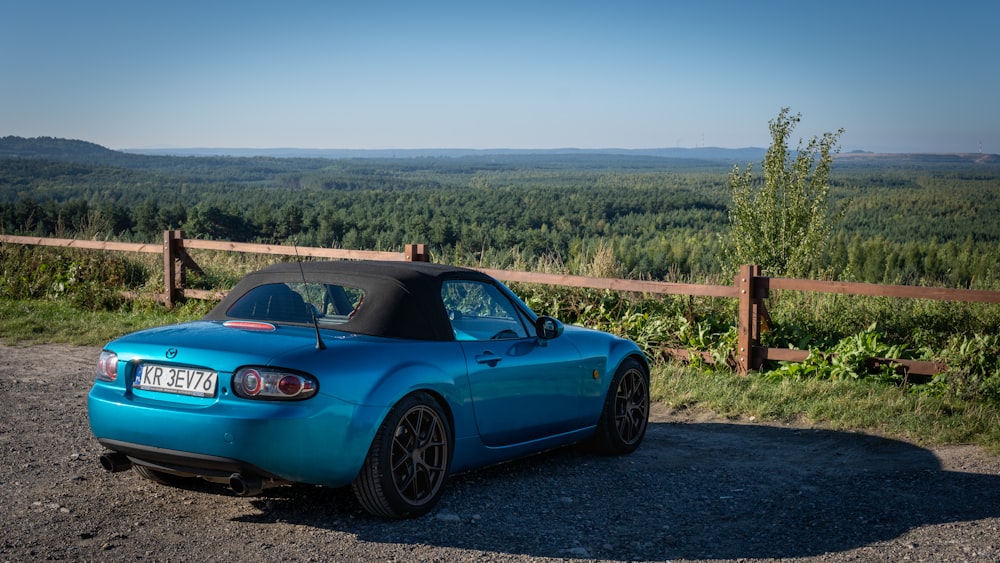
(89, 280)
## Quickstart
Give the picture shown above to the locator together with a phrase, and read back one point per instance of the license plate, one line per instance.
(174, 379)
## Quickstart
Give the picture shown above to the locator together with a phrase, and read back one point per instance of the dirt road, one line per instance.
(699, 489)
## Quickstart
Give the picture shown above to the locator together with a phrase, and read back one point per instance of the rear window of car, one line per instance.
(299, 303)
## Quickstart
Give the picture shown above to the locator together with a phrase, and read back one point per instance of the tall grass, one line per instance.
(26, 322)
(865, 405)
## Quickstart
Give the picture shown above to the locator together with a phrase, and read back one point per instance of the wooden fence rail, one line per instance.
(750, 287)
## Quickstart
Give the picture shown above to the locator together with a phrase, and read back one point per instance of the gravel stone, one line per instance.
(700, 488)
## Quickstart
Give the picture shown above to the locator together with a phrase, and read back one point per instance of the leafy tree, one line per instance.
(783, 224)
(906, 218)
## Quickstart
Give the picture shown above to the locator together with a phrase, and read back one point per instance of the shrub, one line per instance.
(973, 368)
(90, 280)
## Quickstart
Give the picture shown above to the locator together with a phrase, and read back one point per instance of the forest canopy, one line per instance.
(905, 218)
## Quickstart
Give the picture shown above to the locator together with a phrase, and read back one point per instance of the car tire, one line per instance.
(625, 415)
(407, 464)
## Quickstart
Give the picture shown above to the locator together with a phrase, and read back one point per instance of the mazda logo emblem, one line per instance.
(171, 353)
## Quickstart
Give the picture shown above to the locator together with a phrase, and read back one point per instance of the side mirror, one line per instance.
(547, 328)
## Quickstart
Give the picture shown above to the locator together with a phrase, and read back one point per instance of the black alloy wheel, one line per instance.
(407, 465)
(625, 417)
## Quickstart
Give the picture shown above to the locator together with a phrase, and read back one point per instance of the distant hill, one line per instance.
(705, 153)
(68, 150)
(919, 158)
(54, 149)
(82, 152)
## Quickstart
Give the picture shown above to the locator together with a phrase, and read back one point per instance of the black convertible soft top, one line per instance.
(402, 299)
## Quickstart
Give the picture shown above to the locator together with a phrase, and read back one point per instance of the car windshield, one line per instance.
(298, 302)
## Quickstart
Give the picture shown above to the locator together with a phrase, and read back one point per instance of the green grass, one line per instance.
(856, 405)
(865, 405)
(26, 322)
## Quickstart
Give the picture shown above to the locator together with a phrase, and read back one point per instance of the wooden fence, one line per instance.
(750, 287)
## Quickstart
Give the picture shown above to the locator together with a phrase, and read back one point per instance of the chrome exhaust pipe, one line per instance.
(245, 486)
(115, 462)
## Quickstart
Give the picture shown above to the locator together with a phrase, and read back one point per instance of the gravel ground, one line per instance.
(699, 489)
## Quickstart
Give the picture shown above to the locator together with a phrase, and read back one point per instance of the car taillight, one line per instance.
(261, 383)
(251, 383)
(290, 385)
(107, 366)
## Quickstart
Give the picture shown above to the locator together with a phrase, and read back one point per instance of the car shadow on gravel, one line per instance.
(692, 491)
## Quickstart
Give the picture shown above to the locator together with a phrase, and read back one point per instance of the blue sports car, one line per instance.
(385, 376)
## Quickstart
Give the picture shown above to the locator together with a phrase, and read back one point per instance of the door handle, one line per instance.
(488, 358)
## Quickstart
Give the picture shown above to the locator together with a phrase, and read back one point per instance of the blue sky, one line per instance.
(371, 74)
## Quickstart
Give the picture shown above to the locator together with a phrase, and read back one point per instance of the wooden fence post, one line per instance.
(171, 266)
(416, 253)
(748, 319)
(176, 263)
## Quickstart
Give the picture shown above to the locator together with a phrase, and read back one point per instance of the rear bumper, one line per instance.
(176, 461)
(320, 441)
